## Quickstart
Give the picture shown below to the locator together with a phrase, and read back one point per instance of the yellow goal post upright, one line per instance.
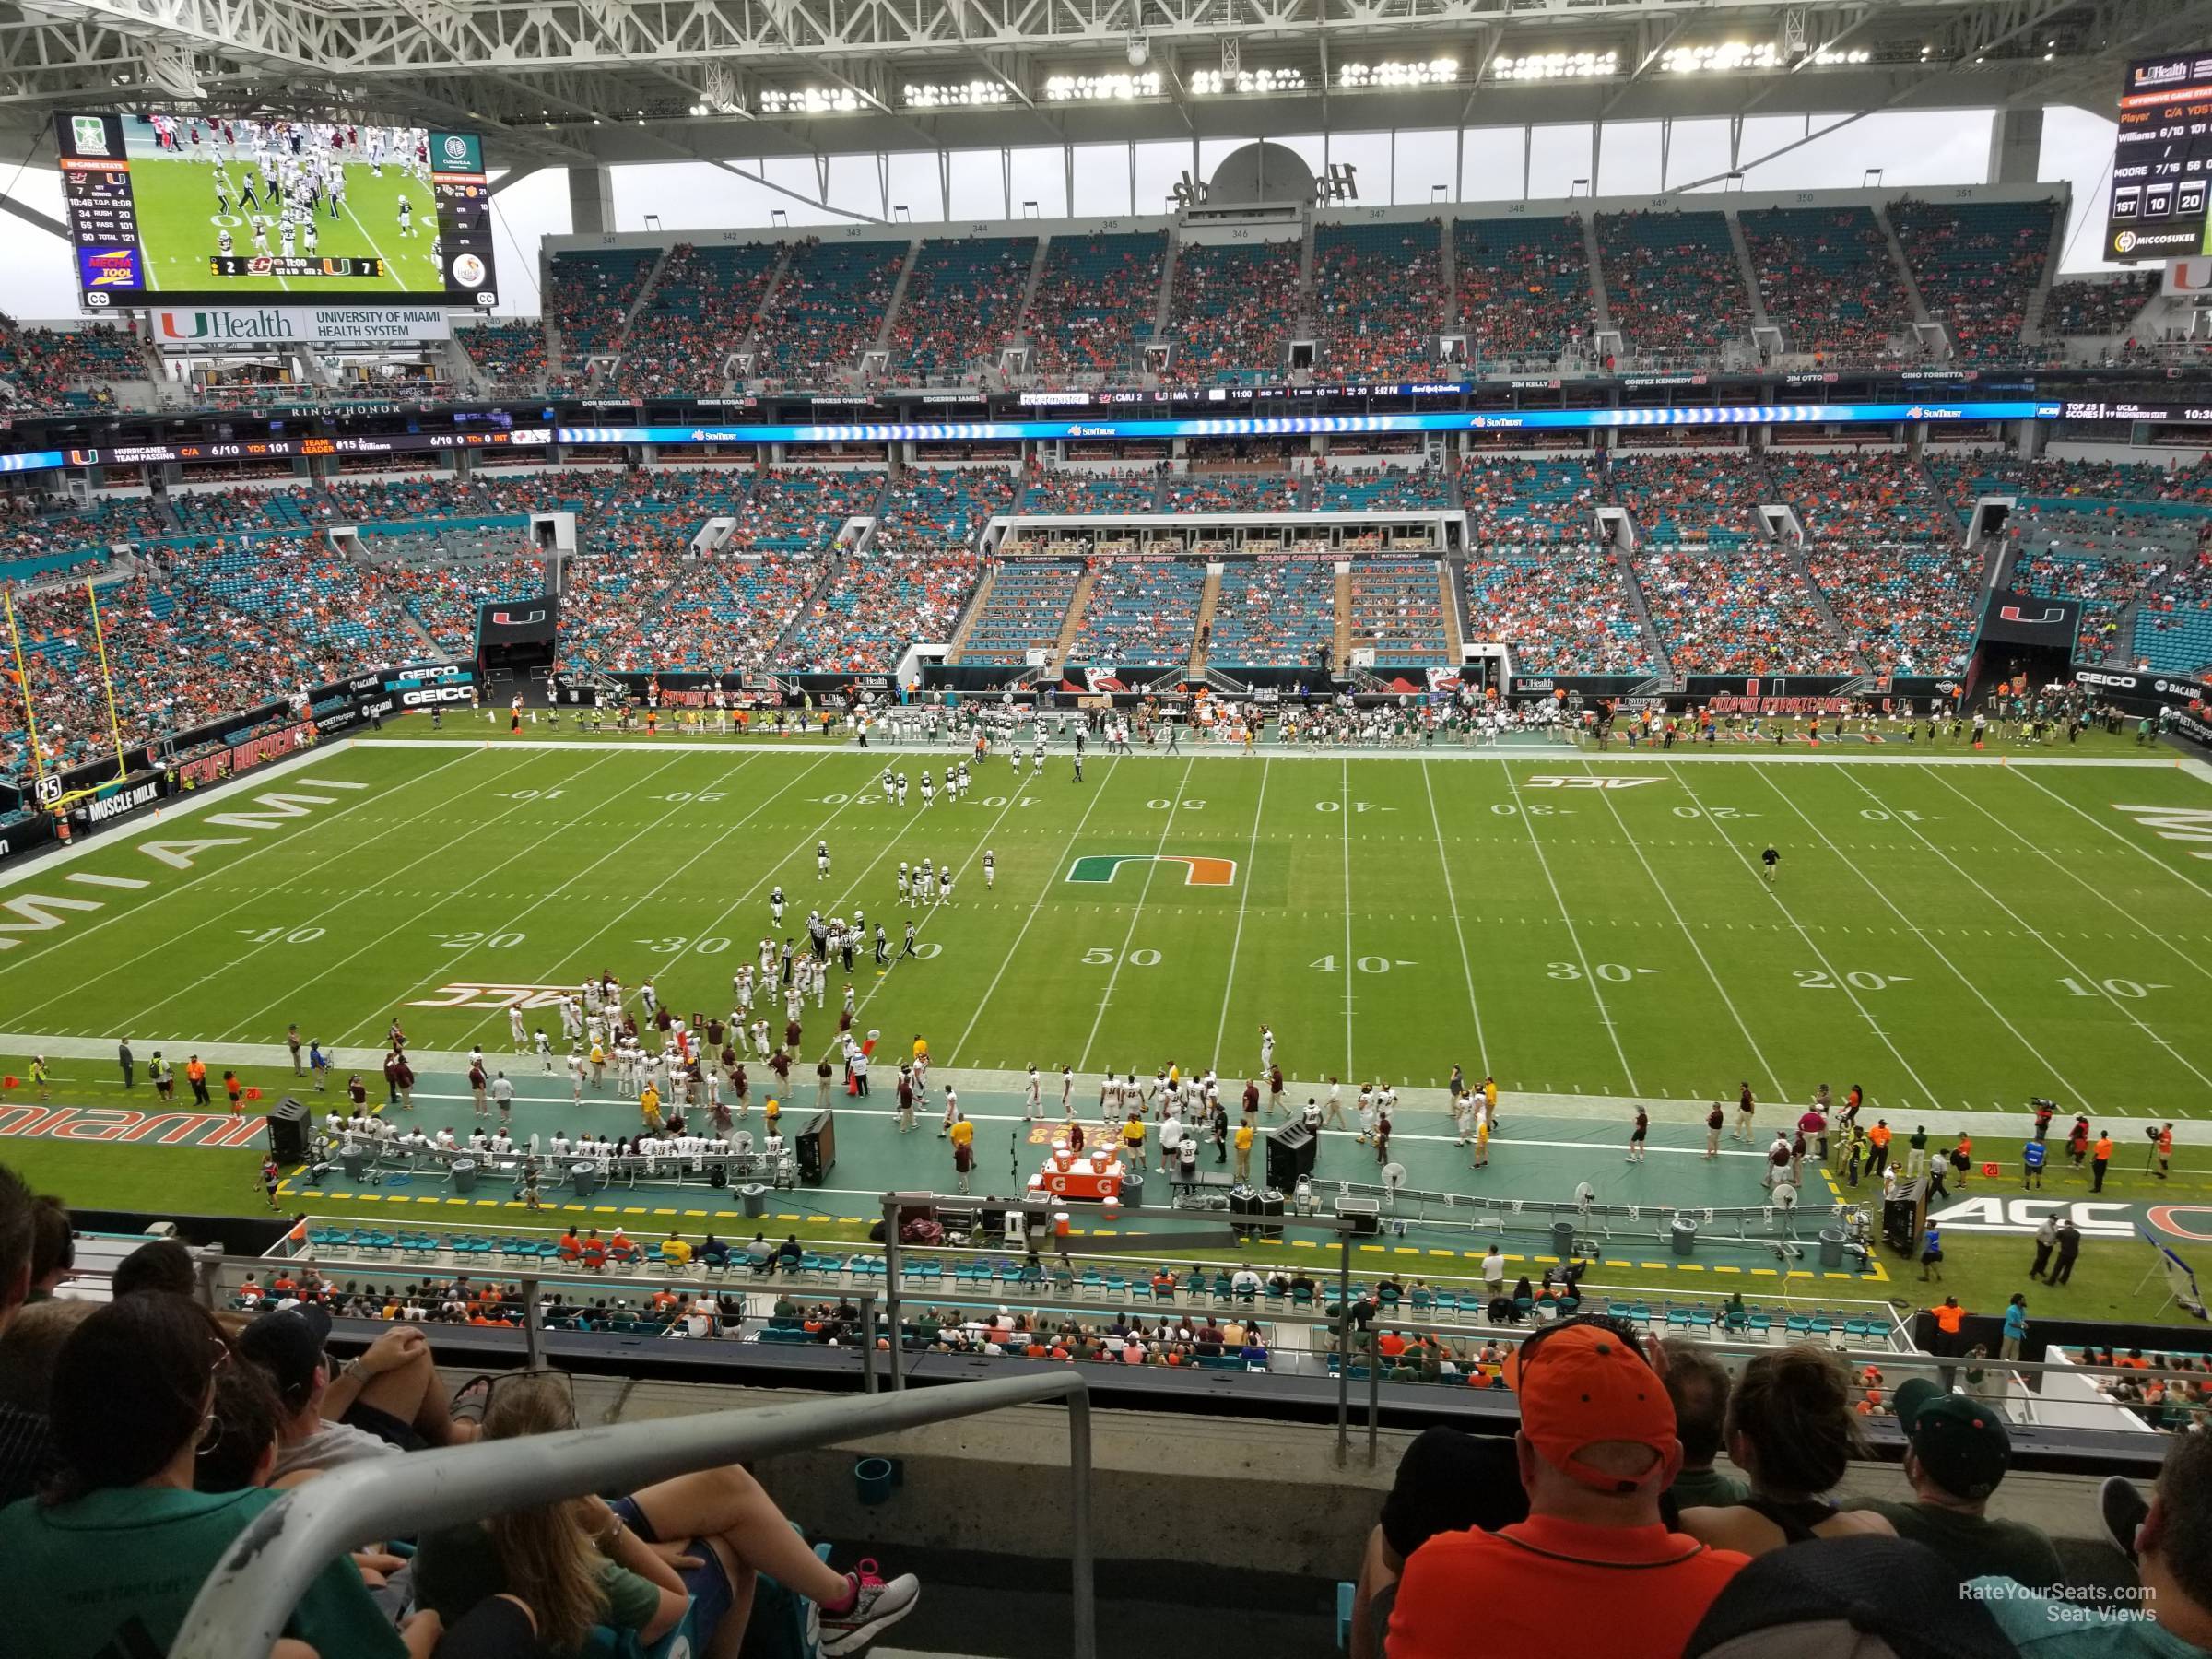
(48, 792)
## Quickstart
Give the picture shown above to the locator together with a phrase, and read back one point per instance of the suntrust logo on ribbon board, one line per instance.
(300, 326)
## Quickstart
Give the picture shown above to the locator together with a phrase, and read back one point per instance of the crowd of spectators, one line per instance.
(1232, 308)
(1090, 491)
(1024, 611)
(589, 294)
(1673, 287)
(1859, 495)
(1231, 492)
(1829, 282)
(1910, 609)
(828, 307)
(942, 508)
(1709, 499)
(699, 314)
(1140, 610)
(1273, 613)
(878, 603)
(1379, 298)
(510, 356)
(2097, 307)
(961, 300)
(1562, 608)
(1976, 265)
(1095, 299)
(1524, 287)
(2173, 629)
(1516, 501)
(1748, 612)
(65, 367)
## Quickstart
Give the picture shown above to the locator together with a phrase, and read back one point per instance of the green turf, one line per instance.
(175, 203)
(1943, 936)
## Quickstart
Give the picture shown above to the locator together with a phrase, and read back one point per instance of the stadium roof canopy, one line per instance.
(570, 82)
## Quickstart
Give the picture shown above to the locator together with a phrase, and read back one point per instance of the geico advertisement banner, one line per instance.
(263, 325)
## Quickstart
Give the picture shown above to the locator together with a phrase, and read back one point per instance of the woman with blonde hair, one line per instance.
(1791, 1428)
(692, 1544)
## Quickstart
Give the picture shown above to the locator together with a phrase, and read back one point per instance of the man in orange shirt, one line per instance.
(2165, 1151)
(1596, 1448)
(196, 1074)
(2100, 1159)
(1878, 1138)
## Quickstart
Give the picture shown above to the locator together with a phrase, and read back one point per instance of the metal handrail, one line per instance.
(244, 1603)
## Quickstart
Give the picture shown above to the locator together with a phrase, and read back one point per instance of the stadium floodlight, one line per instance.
(808, 101)
(1829, 58)
(1214, 83)
(957, 94)
(1720, 57)
(1106, 88)
(1430, 72)
(1556, 65)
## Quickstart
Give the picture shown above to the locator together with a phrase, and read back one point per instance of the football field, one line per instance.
(1953, 933)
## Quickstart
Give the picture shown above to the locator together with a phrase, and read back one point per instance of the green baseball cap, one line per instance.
(1961, 1442)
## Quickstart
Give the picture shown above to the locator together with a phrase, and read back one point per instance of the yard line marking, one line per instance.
(1052, 885)
(1135, 915)
(16, 960)
(2132, 846)
(1923, 935)
(632, 908)
(1819, 955)
(1711, 972)
(2034, 933)
(1466, 963)
(2071, 874)
(417, 915)
(1252, 852)
(1343, 813)
(1013, 799)
(1573, 934)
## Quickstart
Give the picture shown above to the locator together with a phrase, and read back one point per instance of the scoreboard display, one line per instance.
(2161, 160)
(200, 209)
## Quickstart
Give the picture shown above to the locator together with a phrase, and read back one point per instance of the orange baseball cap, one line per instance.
(1586, 1384)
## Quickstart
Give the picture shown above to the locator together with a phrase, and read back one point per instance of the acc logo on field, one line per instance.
(1196, 872)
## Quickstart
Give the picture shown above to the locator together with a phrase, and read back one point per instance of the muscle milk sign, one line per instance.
(262, 325)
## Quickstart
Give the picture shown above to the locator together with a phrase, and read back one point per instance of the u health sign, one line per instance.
(213, 329)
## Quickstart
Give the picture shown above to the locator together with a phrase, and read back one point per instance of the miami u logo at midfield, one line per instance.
(1196, 872)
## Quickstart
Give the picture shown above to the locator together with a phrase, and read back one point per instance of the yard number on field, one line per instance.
(1620, 973)
(1814, 979)
(1366, 964)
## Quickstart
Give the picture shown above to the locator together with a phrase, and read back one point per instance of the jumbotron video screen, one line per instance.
(194, 209)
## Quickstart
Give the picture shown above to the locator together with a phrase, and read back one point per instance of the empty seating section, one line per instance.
(1383, 489)
(1537, 499)
(1745, 612)
(1875, 496)
(2173, 629)
(1563, 610)
(942, 508)
(1233, 306)
(801, 508)
(1091, 493)
(1828, 281)
(1704, 498)
(2098, 307)
(1976, 265)
(1397, 607)
(878, 605)
(1095, 297)
(1673, 287)
(1524, 287)
(510, 357)
(828, 307)
(961, 303)
(1273, 613)
(1231, 492)
(1378, 296)
(1023, 612)
(589, 294)
(211, 511)
(699, 312)
(1141, 610)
